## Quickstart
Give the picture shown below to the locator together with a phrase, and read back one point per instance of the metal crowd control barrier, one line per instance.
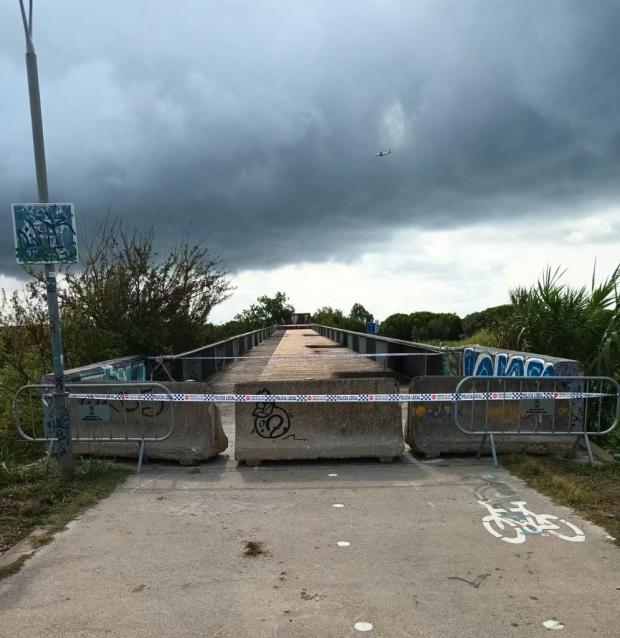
(98, 421)
(576, 406)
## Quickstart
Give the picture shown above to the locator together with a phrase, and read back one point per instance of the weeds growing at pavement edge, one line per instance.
(591, 490)
(32, 496)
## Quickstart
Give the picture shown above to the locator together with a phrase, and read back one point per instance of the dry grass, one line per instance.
(593, 491)
(32, 497)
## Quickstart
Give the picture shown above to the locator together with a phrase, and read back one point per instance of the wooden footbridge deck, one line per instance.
(292, 343)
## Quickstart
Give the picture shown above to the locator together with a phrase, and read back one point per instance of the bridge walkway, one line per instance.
(292, 342)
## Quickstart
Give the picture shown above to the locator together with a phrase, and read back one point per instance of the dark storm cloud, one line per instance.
(255, 123)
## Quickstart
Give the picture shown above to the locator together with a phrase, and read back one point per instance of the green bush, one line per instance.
(485, 319)
(556, 319)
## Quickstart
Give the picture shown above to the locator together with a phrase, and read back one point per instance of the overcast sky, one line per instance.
(255, 123)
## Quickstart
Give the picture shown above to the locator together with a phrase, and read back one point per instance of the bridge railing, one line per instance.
(197, 364)
(201, 363)
(132, 368)
(432, 360)
(468, 360)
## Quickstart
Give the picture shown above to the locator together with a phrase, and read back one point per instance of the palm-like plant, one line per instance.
(556, 319)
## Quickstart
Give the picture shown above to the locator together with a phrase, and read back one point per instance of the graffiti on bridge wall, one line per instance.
(130, 372)
(501, 364)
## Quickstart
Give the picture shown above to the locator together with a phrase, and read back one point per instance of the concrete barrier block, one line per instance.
(282, 431)
(197, 436)
(431, 430)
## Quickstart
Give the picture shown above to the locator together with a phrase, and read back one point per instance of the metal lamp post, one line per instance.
(61, 402)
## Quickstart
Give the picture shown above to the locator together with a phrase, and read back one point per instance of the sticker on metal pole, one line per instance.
(44, 233)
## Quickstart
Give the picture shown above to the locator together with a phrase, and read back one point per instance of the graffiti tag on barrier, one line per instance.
(150, 410)
(270, 420)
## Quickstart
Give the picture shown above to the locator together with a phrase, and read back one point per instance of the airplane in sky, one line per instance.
(383, 153)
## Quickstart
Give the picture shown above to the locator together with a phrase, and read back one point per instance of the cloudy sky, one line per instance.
(255, 124)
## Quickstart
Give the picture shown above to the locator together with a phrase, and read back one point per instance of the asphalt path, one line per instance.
(314, 549)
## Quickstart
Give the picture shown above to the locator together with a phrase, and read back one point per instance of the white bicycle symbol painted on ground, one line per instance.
(516, 523)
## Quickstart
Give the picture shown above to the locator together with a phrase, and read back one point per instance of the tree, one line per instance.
(487, 319)
(435, 326)
(328, 316)
(267, 311)
(25, 345)
(397, 326)
(356, 321)
(25, 356)
(127, 299)
(360, 314)
(422, 326)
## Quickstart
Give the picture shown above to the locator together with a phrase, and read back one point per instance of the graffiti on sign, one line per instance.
(44, 233)
(501, 364)
(515, 524)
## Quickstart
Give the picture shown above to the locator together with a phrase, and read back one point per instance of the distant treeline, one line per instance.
(419, 326)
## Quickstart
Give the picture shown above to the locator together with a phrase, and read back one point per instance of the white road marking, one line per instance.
(363, 626)
(407, 484)
(516, 524)
(552, 624)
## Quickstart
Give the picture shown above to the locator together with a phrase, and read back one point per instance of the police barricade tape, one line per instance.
(334, 398)
(303, 357)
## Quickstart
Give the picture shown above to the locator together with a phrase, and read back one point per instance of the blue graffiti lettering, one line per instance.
(486, 364)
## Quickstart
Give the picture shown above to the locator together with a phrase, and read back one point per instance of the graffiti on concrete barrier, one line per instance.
(270, 420)
(514, 524)
(148, 408)
(502, 364)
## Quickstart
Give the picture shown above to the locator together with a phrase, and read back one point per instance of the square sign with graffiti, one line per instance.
(44, 233)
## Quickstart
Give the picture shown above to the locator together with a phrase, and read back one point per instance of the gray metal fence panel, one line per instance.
(579, 406)
(140, 421)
